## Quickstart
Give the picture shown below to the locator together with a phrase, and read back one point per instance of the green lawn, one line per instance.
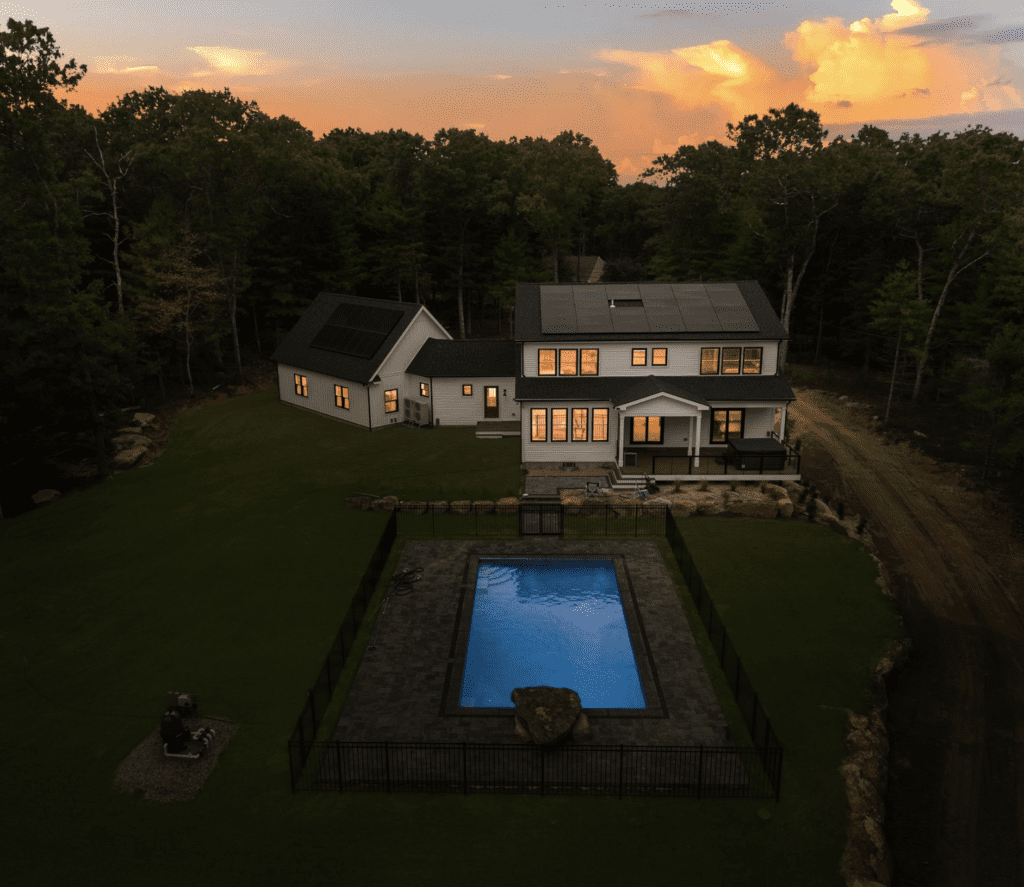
(225, 569)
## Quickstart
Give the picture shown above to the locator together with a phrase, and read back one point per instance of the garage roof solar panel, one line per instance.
(356, 330)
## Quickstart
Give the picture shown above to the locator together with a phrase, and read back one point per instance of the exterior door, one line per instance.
(490, 402)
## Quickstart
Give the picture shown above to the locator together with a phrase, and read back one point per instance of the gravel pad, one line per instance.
(161, 779)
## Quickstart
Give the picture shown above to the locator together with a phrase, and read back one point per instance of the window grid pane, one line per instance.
(546, 362)
(659, 357)
(600, 424)
(559, 423)
(752, 360)
(708, 361)
(730, 360)
(579, 424)
(654, 428)
(567, 363)
(467, 390)
(589, 362)
(639, 357)
(539, 423)
(639, 429)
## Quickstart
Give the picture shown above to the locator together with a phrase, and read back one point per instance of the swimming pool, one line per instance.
(555, 622)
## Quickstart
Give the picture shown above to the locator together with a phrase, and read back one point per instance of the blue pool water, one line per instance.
(549, 622)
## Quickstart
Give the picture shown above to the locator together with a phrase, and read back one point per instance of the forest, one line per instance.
(175, 238)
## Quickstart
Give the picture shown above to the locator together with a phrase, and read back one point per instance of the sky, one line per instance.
(637, 79)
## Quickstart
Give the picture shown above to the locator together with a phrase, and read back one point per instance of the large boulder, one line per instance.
(462, 506)
(785, 507)
(143, 419)
(385, 503)
(484, 506)
(127, 458)
(759, 507)
(45, 496)
(548, 715)
(129, 441)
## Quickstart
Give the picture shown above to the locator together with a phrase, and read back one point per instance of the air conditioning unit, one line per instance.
(417, 412)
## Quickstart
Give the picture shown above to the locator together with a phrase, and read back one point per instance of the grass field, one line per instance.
(225, 569)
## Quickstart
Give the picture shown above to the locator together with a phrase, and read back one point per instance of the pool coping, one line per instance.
(402, 688)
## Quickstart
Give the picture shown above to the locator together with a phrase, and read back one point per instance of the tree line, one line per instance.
(175, 228)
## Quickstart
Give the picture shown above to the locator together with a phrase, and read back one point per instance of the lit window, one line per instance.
(731, 360)
(341, 397)
(659, 357)
(424, 389)
(391, 401)
(639, 357)
(589, 360)
(579, 424)
(546, 362)
(647, 429)
(300, 386)
(601, 424)
(726, 425)
(559, 419)
(467, 390)
(752, 360)
(708, 361)
(539, 424)
(567, 363)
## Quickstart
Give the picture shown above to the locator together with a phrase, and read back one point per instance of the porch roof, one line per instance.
(627, 389)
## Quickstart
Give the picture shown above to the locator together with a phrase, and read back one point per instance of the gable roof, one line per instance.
(529, 328)
(439, 358)
(297, 350)
(628, 389)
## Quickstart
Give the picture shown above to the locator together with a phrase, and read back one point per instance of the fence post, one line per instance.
(337, 760)
(433, 522)
(465, 782)
(622, 752)
(476, 521)
(387, 768)
(606, 507)
(542, 773)
(636, 520)
(700, 772)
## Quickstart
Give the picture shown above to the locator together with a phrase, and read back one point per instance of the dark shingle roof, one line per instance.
(296, 351)
(439, 358)
(528, 319)
(626, 389)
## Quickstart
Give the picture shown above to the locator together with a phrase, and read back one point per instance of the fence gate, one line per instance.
(540, 519)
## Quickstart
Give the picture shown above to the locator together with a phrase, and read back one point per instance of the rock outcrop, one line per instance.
(548, 715)
(45, 496)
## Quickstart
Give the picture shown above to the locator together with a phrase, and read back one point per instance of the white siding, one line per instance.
(454, 408)
(683, 358)
(320, 395)
(392, 370)
(570, 450)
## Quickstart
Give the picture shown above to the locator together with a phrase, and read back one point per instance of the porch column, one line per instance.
(782, 423)
(622, 420)
(696, 439)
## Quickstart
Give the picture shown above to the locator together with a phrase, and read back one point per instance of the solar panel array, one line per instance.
(645, 308)
(356, 330)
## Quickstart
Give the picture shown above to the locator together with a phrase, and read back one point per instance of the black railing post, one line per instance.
(337, 759)
(622, 752)
(542, 773)
(700, 772)
(476, 521)
(387, 768)
(606, 507)
(465, 782)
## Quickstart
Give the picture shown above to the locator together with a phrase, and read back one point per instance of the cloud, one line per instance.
(869, 68)
(499, 76)
(116, 64)
(239, 62)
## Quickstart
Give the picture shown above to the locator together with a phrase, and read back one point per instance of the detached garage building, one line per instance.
(375, 363)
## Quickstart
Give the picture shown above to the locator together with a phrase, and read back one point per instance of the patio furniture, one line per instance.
(593, 489)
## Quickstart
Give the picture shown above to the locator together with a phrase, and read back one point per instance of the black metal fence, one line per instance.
(753, 712)
(572, 769)
(317, 699)
(531, 519)
(718, 772)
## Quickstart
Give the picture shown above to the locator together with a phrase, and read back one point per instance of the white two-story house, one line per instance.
(663, 379)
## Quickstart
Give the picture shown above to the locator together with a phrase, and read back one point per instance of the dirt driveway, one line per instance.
(956, 714)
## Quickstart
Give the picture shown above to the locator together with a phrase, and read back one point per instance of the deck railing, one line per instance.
(677, 774)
